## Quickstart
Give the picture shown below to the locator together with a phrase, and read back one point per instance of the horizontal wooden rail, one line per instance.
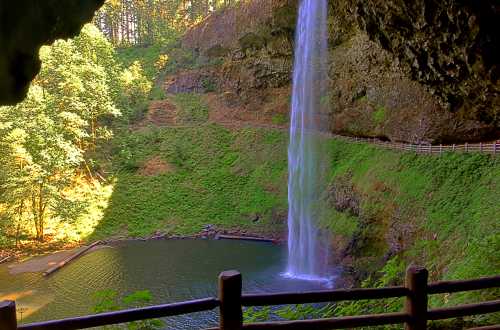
(487, 327)
(332, 323)
(322, 296)
(231, 302)
(464, 310)
(467, 285)
(487, 148)
(125, 316)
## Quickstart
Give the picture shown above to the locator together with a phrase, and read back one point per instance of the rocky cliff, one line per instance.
(425, 72)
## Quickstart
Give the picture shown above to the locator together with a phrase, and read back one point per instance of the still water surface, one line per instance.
(174, 270)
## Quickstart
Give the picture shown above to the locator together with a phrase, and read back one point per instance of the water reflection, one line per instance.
(171, 270)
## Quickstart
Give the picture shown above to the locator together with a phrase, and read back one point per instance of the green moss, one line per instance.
(450, 202)
(191, 109)
(379, 115)
(279, 119)
(216, 176)
(339, 223)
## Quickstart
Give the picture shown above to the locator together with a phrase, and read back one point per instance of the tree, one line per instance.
(145, 22)
(136, 88)
(43, 139)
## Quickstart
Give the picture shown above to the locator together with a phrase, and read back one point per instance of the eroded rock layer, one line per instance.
(452, 47)
(423, 73)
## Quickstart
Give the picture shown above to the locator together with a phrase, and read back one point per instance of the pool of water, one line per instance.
(172, 271)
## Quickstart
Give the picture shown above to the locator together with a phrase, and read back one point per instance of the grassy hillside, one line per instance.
(450, 202)
(177, 180)
(440, 212)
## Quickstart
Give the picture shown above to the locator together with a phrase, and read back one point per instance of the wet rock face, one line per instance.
(412, 71)
(450, 46)
(372, 95)
(257, 54)
(26, 25)
(192, 81)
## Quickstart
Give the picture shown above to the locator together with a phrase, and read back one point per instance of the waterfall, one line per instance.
(306, 257)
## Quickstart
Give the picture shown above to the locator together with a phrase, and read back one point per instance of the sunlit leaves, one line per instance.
(43, 139)
(135, 87)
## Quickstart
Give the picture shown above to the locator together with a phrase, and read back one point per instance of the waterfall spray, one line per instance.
(306, 259)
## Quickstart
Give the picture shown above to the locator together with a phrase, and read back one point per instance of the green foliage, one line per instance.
(151, 21)
(159, 59)
(216, 176)
(158, 93)
(136, 88)
(448, 203)
(147, 22)
(107, 301)
(210, 183)
(304, 312)
(379, 115)
(253, 314)
(295, 312)
(44, 138)
(391, 274)
(208, 84)
(279, 119)
(151, 58)
(180, 58)
(339, 223)
(191, 108)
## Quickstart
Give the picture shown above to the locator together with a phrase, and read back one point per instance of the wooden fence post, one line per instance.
(466, 147)
(495, 148)
(440, 148)
(416, 302)
(481, 147)
(8, 318)
(231, 313)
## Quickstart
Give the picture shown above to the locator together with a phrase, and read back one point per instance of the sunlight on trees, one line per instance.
(45, 140)
(145, 22)
(136, 87)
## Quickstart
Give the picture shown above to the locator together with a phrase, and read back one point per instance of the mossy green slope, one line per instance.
(443, 209)
(216, 176)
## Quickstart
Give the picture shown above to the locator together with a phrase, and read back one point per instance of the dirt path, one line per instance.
(160, 113)
(237, 117)
(165, 114)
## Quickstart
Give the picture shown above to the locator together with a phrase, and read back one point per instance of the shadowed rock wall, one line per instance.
(450, 46)
(421, 71)
(26, 25)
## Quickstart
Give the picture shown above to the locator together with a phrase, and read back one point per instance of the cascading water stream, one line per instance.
(306, 259)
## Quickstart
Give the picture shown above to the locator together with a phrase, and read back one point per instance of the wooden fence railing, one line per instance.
(231, 302)
(492, 148)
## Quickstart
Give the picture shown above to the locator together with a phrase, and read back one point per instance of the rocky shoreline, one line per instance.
(208, 232)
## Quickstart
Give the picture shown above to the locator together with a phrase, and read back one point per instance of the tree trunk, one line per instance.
(38, 210)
